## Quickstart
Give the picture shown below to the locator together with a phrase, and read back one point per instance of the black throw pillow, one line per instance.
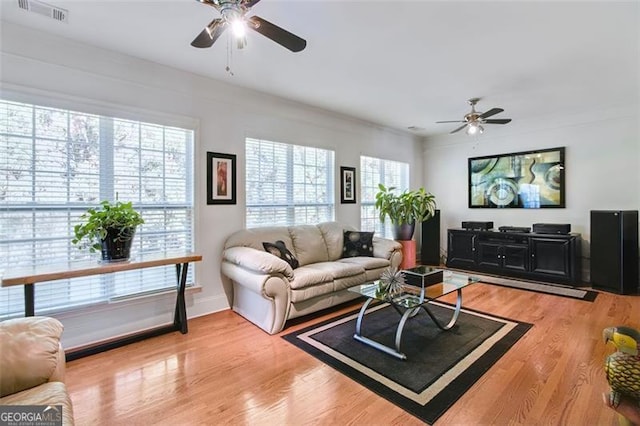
(280, 249)
(357, 243)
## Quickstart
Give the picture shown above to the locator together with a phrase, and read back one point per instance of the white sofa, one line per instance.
(268, 291)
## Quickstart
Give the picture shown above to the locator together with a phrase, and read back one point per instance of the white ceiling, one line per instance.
(395, 63)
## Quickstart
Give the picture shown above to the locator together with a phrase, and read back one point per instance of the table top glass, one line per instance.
(411, 296)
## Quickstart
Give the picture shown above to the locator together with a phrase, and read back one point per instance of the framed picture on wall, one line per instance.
(347, 185)
(221, 178)
(530, 180)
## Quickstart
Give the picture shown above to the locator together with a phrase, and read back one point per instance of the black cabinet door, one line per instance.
(515, 257)
(489, 254)
(461, 249)
(551, 256)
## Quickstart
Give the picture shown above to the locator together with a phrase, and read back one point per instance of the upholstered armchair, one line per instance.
(33, 364)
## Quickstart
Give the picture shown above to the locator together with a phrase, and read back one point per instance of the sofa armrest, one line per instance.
(263, 299)
(388, 249)
(385, 248)
(29, 353)
(258, 261)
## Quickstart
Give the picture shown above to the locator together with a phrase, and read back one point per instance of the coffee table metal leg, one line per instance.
(379, 346)
(409, 313)
(456, 313)
(361, 315)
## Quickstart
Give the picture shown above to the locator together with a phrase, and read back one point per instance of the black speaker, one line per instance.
(552, 228)
(430, 243)
(477, 226)
(614, 250)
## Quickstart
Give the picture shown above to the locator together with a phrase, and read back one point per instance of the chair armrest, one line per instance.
(258, 261)
(29, 353)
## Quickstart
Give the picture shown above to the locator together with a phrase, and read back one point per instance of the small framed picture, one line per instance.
(347, 185)
(221, 178)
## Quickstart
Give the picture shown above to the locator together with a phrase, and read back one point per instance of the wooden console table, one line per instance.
(27, 277)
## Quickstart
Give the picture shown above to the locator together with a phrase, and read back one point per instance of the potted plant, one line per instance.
(404, 209)
(109, 228)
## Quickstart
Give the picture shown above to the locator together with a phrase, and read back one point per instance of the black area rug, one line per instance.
(440, 366)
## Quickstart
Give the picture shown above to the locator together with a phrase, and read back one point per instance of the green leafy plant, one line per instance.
(96, 222)
(405, 208)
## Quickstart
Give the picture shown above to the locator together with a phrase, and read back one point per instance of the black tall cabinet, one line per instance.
(614, 250)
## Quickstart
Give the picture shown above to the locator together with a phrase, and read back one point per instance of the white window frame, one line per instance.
(374, 171)
(63, 295)
(275, 193)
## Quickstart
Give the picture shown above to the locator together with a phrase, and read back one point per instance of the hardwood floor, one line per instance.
(228, 371)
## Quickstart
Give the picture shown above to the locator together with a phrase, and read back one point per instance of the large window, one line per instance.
(54, 164)
(374, 171)
(288, 184)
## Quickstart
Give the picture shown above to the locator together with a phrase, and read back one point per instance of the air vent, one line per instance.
(45, 9)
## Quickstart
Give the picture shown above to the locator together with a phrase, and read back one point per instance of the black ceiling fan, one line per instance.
(474, 120)
(234, 15)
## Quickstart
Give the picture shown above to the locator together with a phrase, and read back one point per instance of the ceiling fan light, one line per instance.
(239, 28)
(474, 128)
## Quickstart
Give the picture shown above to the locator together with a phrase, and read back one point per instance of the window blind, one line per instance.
(54, 164)
(288, 184)
(374, 171)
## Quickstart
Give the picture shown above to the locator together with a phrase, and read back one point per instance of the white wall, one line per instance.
(602, 161)
(62, 73)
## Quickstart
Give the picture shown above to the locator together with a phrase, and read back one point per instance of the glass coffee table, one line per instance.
(410, 299)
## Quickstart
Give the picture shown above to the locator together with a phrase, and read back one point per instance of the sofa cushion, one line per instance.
(333, 233)
(357, 243)
(52, 393)
(367, 263)
(253, 237)
(308, 244)
(304, 294)
(306, 276)
(338, 269)
(279, 249)
(346, 282)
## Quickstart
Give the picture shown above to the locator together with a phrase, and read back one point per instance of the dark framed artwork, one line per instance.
(347, 185)
(221, 178)
(529, 179)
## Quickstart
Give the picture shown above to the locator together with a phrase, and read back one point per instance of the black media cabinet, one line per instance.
(542, 257)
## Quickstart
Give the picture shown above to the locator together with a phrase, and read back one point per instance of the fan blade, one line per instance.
(498, 121)
(210, 34)
(277, 34)
(454, 121)
(209, 3)
(492, 111)
(458, 129)
(249, 3)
